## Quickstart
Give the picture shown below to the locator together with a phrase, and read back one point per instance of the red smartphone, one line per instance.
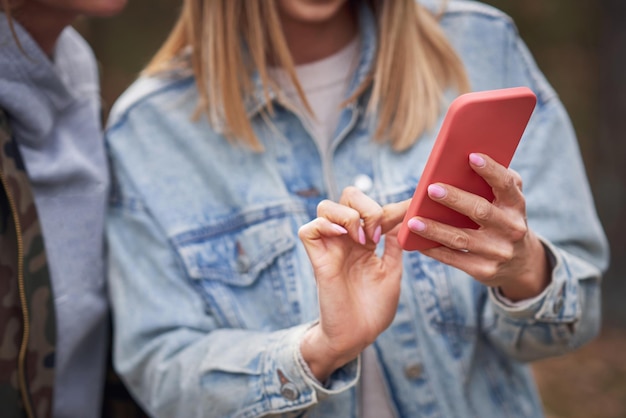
(490, 122)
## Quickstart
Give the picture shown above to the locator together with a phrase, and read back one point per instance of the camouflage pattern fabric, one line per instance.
(27, 317)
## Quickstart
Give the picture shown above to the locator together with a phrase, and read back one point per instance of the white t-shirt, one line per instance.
(325, 83)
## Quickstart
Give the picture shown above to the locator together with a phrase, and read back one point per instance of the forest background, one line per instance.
(581, 47)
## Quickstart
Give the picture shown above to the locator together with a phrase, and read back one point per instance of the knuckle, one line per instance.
(460, 242)
(302, 232)
(377, 212)
(349, 192)
(504, 254)
(519, 230)
(323, 206)
(353, 215)
(482, 211)
(510, 180)
(517, 178)
(489, 272)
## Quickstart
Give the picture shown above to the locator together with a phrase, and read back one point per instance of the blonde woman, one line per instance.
(262, 164)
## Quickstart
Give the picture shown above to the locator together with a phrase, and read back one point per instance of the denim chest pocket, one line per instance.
(247, 277)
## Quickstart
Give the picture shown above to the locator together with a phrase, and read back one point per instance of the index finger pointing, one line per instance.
(371, 212)
(393, 214)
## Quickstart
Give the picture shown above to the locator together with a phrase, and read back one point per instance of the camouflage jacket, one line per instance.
(27, 318)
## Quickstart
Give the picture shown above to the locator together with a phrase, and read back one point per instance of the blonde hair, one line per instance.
(414, 64)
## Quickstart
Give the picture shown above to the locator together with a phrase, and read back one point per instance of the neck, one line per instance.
(312, 41)
(43, 23)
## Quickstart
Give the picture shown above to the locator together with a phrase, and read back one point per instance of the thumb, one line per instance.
(393, 214)
(393, 251)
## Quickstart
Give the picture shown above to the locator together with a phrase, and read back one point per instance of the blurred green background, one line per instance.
(581, 47)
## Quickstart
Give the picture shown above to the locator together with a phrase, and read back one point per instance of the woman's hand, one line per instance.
(358, 290)
(503, 252)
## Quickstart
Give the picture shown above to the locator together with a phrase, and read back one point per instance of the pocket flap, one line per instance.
(238, 258)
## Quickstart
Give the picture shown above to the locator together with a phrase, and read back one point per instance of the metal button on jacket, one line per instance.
(413, 371)
(363, 182)
(289, 391)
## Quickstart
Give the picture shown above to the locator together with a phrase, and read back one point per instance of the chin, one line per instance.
(102, 8)
(310, 11)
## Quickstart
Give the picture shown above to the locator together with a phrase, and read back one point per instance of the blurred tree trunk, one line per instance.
(610, 154)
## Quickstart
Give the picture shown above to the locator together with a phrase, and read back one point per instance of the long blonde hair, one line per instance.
(414, 65)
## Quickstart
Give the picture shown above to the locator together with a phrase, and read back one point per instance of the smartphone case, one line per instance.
(490, 122)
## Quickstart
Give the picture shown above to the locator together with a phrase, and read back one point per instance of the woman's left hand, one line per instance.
(503, 252)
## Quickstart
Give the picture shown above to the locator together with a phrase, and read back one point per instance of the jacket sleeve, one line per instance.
(560, 209)
(168, 348)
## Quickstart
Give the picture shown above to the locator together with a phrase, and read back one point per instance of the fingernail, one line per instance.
(416, 225)
(377, 232)
(339, 228)
(361, 236)
(477, 160)
(436, 191)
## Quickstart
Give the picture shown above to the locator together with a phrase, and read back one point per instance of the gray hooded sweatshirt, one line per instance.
(53, 105)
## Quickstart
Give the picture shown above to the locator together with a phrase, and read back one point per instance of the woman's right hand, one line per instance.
(358, 290)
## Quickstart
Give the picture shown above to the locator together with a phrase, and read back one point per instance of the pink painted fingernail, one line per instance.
(339, 228)
(361, 235)
(416, 225)
(477, 160)
(377, 232)
(436, 191)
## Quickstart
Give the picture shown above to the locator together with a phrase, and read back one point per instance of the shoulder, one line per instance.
(465, 9)
(474, 28)
(489, 44)
(476, 9)
(157, 96)
(474, 19)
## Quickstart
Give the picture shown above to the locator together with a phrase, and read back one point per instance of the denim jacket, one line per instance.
(212, 290)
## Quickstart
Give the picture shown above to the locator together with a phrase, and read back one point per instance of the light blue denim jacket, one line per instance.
(212, 290)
